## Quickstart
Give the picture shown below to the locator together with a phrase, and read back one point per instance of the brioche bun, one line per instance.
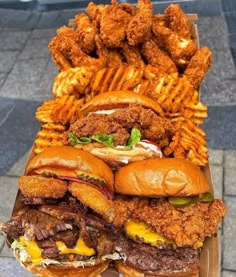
(68, 161)
(161, 177)
(119, 99)
(66, 271)
(128, 271)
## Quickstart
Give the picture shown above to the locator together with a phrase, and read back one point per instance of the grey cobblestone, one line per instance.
(18, 168)
(2, 241)
(217, 179)
(230, 158)
(43, 33)
(229, 181)
(6, 251)
(7, 59)
(24, 79)
(35, 48)
(2, 78)
(10, 267)
(12, 40)
(229, 273)
(229, 242)
(216, 156)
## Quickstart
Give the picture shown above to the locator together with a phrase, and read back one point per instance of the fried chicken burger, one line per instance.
(166, 212)
(121, 127)
(62, 227)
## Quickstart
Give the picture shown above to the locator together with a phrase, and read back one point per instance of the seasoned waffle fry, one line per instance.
(73, 81)
(62, 110)
(189, 143)
(49, 135)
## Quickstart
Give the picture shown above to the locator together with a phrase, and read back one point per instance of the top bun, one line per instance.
(67, 160)
(119, 99)
(161, 177)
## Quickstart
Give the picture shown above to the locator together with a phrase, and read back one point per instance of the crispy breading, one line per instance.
(184, 226)
(140, 25)
(132, 55)
(86, 32)
(198, 66)
(38, 186)
(180, 49)
(156, 57)
(178, 21)
(95, 12)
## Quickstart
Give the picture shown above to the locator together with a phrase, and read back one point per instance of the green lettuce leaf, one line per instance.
(74, 140)
(108, 140)
(134, 138)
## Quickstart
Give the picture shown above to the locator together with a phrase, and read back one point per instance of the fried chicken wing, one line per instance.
(180, 49)
(198, 66)
(114, 22)
(95, 12)
(178, 21)
(132, 55)
(156, 57)
(140, 24)
(86, 32)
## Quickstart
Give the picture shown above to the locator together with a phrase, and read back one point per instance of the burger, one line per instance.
(62, 227)
(166, 211)
(121, 127)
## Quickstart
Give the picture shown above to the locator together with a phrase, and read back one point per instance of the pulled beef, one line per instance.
(69, 237)
(60, 212)
(49, 248)
(105, 245)
(149, 258)
(120, 123)
(38, 201)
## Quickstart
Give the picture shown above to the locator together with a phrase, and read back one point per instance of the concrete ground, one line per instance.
(26, 77)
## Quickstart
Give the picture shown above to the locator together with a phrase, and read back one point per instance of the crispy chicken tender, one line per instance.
(113, 25)
(180, 49)
(86, 32)
(178, 21)
(66, 44)
(132, 55)
(95, 12)
(38, 186)
(198, 66)
(140, 24)
(184, 226)
(156, 57)
(93, 198)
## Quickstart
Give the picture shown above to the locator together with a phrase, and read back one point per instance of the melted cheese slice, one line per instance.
(145, 233)
(35, 252)
(81, 248)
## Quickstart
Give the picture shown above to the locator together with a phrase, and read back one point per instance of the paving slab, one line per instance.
(212, 26)
(230, 18)
(48, 20)
(6, 252)
(227, 273)
(18, 168)
(229, 181)
(18, 19)
(35, 48)
(230, 158)
(217, 179)
(43, 33)
(216, 156)
(7, 59)
(229, 242)
(220, 127)
(2, 78)
(2, 241)
(13, 40)
(8, 190)
(18, 132)
(228, 5)
(10, 267)
(23, 80)
(44, 89)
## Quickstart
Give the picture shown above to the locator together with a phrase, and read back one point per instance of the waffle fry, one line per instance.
(73, 81)
(62, 110)
(189, 143)
(49, 135)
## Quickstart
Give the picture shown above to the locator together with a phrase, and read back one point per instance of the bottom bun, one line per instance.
(128, 271)
(60, 271)
(116, 157)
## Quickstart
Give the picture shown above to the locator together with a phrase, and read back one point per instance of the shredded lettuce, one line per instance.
(74, 140)
(134, 138)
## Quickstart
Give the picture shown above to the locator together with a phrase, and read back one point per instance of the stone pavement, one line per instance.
(26, 76)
